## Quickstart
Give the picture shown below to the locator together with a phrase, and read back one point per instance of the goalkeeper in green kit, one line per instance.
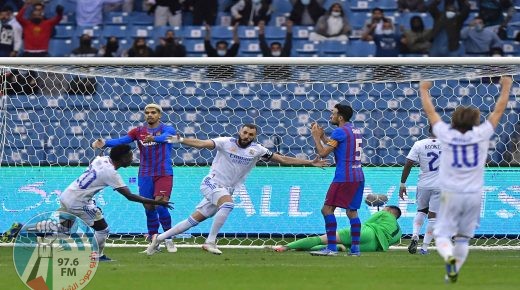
(378, 233)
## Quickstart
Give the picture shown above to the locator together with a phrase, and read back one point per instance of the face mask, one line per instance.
(479, 27)
(221, 52)
(450, 14)
(276, 53)
(387, 31)
(36, 21)
(335, 14)
(305, 2)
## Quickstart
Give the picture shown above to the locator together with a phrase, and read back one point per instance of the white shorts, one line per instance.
(428, 198)
(89, 212)
(212, 193)
(459, 215)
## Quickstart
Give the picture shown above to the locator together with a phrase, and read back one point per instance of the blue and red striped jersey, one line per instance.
(154, 157)
(347, 143)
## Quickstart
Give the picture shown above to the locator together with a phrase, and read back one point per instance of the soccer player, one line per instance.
(102, 172)
(464, 145)
(378, 233)
(155, 169)
(426, 153)
(346, 189)
(235, 158)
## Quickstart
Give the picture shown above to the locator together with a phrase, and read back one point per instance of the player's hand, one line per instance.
(318, 162)
(98, 144)
(174, 139)
(316, 130)
(289, 25)
(425, 85)
(506, 81)
(402, 192)
(149, 139)
(165, 203)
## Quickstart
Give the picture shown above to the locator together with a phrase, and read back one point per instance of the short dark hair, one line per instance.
(250, 126)
(221, 42)
(378, 9)
(464, 118)
(344, 111)
(119, 151)
(397, 209)
(276, 43)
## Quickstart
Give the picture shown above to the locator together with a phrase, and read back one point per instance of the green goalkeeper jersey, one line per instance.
(385, 226)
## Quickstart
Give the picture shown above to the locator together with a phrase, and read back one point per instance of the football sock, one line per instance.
(330, 228)
(428, 236)
(355, 233)
(305, 244)
(152, 221)
(444, 247)
(418, 222)
(219, 220)
(164, 217)
(460, 251)
(180, 227)
(101, 237)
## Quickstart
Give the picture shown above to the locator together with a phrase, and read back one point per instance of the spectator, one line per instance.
(222, 47)
(85, 48)
(90, 12)
(166, 12)
(417, 39)
(140, 49)
(492, 11)
(447, 27)
(37, 31)
(388, 42)
(411, 6)
(251, 12)
(111, 49)
(477, 39)
(374, 25)
(204, 11)
(10, 32)
(306, 12)
(276, 49)
(170, 47)
(332, 26)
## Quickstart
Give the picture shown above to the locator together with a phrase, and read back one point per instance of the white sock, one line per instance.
(428, 236)
(219, 220)
(460, 251)
(180, 227)
(101, 237)
(444, 247)
(418, 221)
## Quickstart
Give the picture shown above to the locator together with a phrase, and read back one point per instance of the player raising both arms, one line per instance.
(235, 158)
(346, 189)
(77, 198)
(155, 169)
(426, 152)
(464, 146)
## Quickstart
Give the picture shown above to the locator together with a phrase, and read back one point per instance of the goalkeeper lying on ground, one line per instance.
(378, 233)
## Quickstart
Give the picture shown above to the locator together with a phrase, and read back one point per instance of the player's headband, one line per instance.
(154, 106)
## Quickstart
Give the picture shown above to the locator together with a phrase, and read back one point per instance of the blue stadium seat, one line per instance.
(69, 156)
(282, 6)
(278, 19)
(64, 31)
(118, 18)
(248, 32)
(118, 30)
(305, 48)
(333, 48)
(145, 31)
(302, 32)
(141, 18)
(194, 47)
(60, 47)
(224, 18)
(27, 155)
(93, 31)
(250, 48)
(221, 33)
(511, 47)
(69, 18)
(275, 33)
(359, 48)
(68, 142)
(512, 31)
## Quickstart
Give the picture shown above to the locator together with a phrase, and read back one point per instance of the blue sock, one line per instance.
(330, 228)
(152, 222)
(164, 218)
(355, 233)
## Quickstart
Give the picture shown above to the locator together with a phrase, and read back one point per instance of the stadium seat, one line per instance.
(282, 6)
(224, 18)
(305, 48)
(145, 31)
(511, 47)
(28, 155)
(118, 30)
(60, 47)
(278, 19)
(359, 48)
(64, 31)
(333, 48)
(248, 32)
(275, 33)
(141, 18)
(302, 32)
(250, 48)
(194, 32)
(194, 47)
(118, 18)
(93, 31)
(67, 156)
(221, 33)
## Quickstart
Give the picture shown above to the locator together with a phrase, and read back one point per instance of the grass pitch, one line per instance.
(253, 269)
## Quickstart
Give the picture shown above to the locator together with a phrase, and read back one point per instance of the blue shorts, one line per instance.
(152, 186)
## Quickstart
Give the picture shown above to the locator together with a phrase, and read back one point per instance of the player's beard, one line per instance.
(242, 143)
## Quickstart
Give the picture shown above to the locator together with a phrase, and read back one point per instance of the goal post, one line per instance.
(51, 109)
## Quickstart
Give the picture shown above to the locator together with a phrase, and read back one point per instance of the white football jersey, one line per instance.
(232, 163)
(427, 153)
(100, 174)
(463, 157)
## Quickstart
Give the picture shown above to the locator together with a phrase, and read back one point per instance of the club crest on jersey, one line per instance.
(251, 152)
(233, 149)
(158, 134)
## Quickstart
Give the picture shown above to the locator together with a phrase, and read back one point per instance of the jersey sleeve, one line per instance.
(265, 154)
(337, 136)
(114, 179)
(219, 142)
(167, 132)
(130, 137)
(441, 129)
(414, 153)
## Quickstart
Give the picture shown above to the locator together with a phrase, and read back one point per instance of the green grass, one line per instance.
(261, 269)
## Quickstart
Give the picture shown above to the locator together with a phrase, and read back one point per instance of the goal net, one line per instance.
(52, 109)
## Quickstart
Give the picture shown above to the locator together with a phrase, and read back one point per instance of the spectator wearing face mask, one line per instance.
(447, 27)
(306, 12)
(140, 49)
(222, 48)
(416, 39)
(37, 31)
(332, 26)
(374, 25)
(111, 49)
(276, 49)
(85, 48)
(10, 32)
(251, 12)
(170, 47)
(478, 40)
(388, 42)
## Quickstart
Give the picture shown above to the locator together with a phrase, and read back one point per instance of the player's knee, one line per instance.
(227, 205)
(424, 210)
